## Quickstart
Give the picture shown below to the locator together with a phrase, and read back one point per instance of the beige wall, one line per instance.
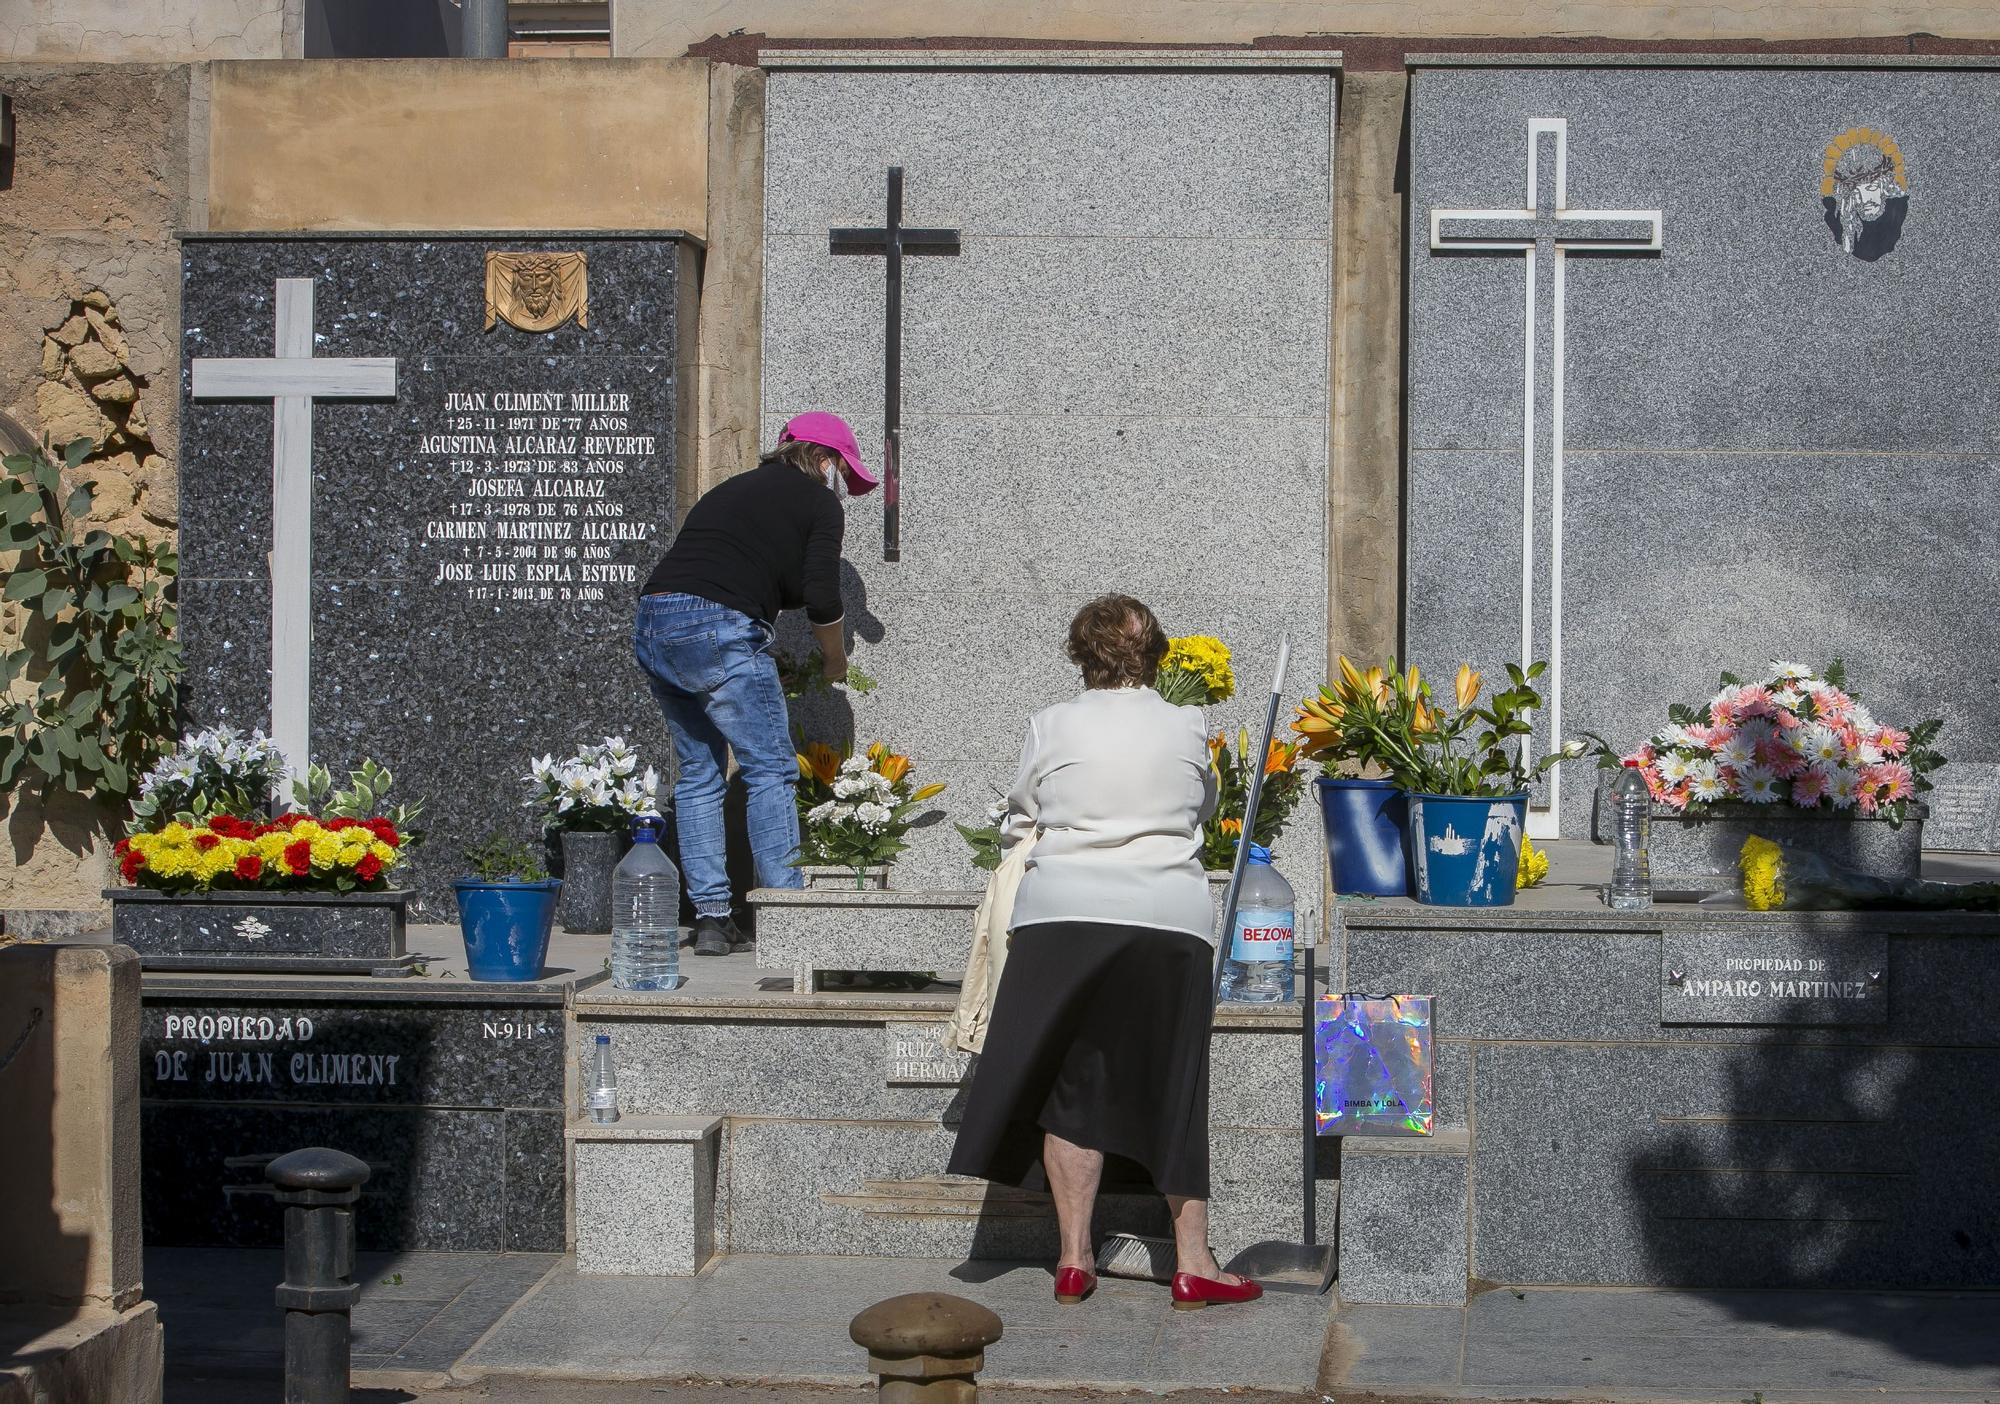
(665, 28)
(150, 31)
(459, 144)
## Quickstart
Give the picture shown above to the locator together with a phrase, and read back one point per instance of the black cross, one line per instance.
(893, 240)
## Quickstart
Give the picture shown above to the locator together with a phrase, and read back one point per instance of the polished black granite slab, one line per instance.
(477, 543)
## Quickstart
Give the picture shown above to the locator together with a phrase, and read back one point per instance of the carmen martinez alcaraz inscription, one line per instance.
(537, 292)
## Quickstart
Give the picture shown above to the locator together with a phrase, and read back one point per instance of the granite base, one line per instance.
(643, 1188)
(236, 930)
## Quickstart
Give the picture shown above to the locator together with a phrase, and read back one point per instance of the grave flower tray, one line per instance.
(1700, 852)
(296, 932)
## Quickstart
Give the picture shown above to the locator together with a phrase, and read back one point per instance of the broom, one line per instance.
(1141, 1255)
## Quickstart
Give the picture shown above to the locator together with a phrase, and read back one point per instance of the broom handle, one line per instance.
(1228, 931)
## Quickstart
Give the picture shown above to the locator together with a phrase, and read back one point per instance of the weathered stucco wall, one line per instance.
(459, 144)
(150, 31)
(89, 337)
(665, 28)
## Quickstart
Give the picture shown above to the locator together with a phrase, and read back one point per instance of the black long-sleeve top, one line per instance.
(762, 541)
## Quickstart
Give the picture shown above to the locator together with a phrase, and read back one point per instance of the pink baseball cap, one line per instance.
(831, 431)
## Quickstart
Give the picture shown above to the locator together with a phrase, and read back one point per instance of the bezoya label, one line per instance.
(1262, 934)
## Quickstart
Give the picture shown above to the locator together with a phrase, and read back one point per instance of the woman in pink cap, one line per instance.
(764, 541)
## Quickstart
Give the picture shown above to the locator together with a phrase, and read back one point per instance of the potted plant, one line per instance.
(1794, 756)
(506, 910)
(853, 814)
(1233, 767)
(1460, 765)
(211, 872)
(588, 801)
(1366, 816)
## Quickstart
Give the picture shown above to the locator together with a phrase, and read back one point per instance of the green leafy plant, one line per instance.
(801, 677)
(93, 684)
(985, 844)
(1285, 781)
(363, 797)
(504, 858)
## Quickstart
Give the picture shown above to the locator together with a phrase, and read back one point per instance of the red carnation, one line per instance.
(298, 857)
(369, 868)
(249, 867)
(204, 842)
(121, 848)
(334, 826)
(230, 826)
(129, 865)
(383, 830)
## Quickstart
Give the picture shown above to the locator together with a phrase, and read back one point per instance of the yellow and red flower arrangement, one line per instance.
(293, 852)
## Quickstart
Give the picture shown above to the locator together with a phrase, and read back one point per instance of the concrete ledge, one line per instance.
(1445, 1142)
(1294, 60)
(1405, 1210)
(644, 1194)
(810, 931)
(94, 1358)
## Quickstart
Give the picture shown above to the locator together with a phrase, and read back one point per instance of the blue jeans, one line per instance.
(711, 669)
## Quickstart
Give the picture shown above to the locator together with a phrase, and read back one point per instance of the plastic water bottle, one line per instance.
(603, 1082)
(1259, 968)
(645, 903)
(1631, 887)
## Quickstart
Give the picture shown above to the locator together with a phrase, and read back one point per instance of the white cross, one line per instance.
(292, 380)
(1545, 222)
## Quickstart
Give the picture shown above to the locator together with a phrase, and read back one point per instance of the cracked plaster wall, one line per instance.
(151, 31)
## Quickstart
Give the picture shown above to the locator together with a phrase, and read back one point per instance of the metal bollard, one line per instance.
(318, 1188)
(926, 1347)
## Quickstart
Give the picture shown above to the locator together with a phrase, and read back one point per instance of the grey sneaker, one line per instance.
(712, 935)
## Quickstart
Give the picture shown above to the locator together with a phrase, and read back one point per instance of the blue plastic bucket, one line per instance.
(506, 927)
(1466, 852)
(1367, 822)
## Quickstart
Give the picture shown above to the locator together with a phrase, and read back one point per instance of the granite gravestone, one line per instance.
(1752, 444)
(1117, 382)
(469, 550)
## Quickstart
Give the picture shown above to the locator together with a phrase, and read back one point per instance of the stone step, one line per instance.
(807, 932)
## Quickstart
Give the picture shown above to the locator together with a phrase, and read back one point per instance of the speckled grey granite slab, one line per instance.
(223, 927)
(644, 1191)
(1404, 1205)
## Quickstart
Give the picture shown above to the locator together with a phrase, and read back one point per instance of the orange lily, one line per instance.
(1412, 682)
(1351, 676)
(1423, 720)
(1378, 686)
(1280, 757)
(819, 761)
(892, 767)
(1468, 685)
(936, 787)
(1232, 827)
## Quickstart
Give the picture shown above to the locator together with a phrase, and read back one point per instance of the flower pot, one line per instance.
(506, 927)
(873, 879)
(1466, 852)
(225, 930)
(1367, 836)
(1700, 852)
(588, 860)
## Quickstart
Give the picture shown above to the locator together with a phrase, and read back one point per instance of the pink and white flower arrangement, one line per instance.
(1799, 737)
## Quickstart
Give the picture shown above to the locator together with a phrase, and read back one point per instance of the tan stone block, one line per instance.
(93, 361)
(105, 325)
(72, 331)
(135, 423)
(159, 490)
(97, 300)
(52, 357)
(119, 390)
(68, 413)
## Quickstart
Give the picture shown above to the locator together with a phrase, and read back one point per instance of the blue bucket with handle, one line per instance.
(1466, 852)
(506, 927)
(1367, 823)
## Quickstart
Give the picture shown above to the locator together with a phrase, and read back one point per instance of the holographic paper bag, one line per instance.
(1372, 1065)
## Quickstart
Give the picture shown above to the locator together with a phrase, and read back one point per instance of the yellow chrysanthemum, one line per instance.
(175, 835)
(386, 855)
(271, 847)
(169, 862)
(1763, 865)
(309, 829)
(1534, 865)
(1203, 661)
(325, 849)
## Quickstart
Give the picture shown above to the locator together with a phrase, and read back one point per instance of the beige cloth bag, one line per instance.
(967, 1027)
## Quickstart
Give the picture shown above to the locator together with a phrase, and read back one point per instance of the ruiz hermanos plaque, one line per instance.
(466, 542)
(1766, 977)
(918, 1056)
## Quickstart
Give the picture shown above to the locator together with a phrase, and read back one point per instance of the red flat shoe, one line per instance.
(1192, 1293)
(1074, 1284)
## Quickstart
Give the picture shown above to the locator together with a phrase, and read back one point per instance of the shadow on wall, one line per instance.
(1840, 1165)
(45, 1265)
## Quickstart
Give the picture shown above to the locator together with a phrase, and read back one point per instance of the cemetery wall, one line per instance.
(667, 28)
(119, 31)
(108, 165)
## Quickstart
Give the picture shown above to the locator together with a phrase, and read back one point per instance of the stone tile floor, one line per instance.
(1649, 1347)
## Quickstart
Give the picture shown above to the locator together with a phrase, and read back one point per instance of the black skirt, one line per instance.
(1099, 1034)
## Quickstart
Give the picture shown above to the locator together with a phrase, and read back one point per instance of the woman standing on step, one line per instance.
(763, 541)
(1098, 1043)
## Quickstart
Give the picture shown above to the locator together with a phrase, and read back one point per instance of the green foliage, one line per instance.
(504, 858)
(985, 843)
(802, 677)
(92, 687)
(364, 797)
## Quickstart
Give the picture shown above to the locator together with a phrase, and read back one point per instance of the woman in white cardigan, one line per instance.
(1098, 1045)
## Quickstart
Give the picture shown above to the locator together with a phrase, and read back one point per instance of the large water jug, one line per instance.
(1259, 967)
(645, 906)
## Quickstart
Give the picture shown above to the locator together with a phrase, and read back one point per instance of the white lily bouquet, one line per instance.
(600, 789)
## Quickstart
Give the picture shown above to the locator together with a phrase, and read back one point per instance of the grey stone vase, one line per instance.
(1701, 853)
(588, 860)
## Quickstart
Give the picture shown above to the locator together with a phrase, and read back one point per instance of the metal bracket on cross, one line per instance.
(292, 379)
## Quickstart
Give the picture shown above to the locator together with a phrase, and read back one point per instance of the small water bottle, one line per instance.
(603, 1096)
(1631, 887)
(1259, 968)
(645, 905)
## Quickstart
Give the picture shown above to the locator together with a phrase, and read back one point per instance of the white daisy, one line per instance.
(1703, 770)
(1791, 671)
(1708, 788)
(1789, 698)
(1818, 743)
(1842, 786)
(1757, 784)
(1674, 767)
(1738, 751)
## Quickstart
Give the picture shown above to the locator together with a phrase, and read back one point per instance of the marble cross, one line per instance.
(893, 240)
(1546, 231)
(292, 379)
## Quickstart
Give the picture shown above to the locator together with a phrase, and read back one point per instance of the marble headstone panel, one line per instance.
(477, 544)
(1771, 447)
(1118, 384)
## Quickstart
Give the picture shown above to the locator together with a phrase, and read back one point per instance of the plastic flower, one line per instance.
(1738, 751)
(1762, 865)
(1809, 789)
(1757, 784)
(1708, 788)
(1843, 786)
(1534, 866)
(1896, 780)
(1819, 743)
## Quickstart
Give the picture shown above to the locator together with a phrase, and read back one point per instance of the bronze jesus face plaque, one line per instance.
(537, 292)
